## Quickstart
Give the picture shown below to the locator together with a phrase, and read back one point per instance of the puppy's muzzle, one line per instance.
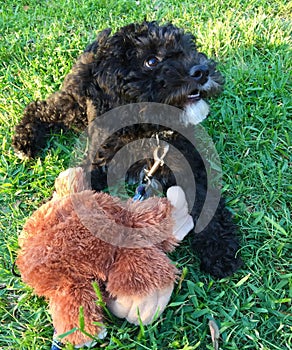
(200, 73)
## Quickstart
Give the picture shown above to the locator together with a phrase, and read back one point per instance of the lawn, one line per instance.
(250, 125)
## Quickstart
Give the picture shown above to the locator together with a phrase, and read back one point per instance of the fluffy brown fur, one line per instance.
(62, 254)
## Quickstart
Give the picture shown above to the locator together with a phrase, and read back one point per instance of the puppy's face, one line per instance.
(151, 63)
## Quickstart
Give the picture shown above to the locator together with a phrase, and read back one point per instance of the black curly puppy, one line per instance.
(140, 63)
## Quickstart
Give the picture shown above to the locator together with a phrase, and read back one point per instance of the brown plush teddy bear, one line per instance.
(80, 237)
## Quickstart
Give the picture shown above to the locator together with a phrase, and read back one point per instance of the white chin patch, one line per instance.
(194, 113)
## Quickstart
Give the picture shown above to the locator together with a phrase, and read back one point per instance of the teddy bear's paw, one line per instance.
(101, 335)
(144, 308)
(183, 222)
(85, 345)
(56, 345)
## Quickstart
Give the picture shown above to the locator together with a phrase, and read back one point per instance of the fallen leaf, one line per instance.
(215, 334)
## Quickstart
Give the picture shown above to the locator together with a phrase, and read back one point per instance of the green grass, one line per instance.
(250, 126)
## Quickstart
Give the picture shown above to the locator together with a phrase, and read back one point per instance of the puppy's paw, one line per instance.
(144, 308)
(22, 147)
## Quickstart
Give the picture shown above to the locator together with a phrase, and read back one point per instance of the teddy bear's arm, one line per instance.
(144, 308)
(140, 284)
(183, 222)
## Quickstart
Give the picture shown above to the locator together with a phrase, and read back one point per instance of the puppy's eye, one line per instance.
(151, 62)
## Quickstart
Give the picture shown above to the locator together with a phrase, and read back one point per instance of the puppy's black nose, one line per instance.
(200, 73)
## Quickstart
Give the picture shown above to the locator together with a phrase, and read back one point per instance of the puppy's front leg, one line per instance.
(60, 111)
(70, 108)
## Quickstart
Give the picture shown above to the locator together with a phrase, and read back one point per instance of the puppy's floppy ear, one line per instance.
(100, 40)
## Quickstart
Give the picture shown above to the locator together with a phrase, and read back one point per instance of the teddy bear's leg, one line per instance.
(140, 284)
(65, 309)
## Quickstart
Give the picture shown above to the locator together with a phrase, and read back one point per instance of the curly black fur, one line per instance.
(139, 63)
